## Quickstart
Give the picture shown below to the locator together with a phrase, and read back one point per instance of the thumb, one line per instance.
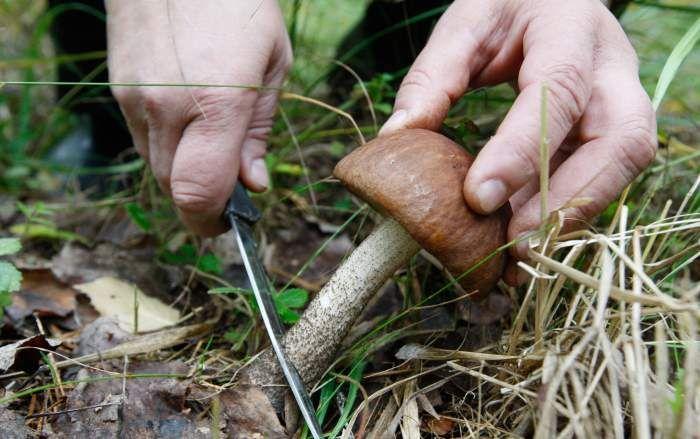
(207, 159)
(441, 72)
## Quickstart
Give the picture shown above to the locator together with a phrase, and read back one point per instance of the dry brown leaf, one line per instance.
(22, 355)
(113, 297)
(440, 427)
(153, 407)
(41, 293)
(249, 414)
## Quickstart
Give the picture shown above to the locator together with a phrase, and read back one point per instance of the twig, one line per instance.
(63, 412)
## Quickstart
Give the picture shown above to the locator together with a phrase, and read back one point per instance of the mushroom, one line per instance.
(414, 178)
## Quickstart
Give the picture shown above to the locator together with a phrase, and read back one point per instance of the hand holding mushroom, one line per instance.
(602, 131)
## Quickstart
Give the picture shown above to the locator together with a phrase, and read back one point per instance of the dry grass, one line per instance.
(603, 345)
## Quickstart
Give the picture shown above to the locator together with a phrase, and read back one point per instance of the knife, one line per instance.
(242, 214)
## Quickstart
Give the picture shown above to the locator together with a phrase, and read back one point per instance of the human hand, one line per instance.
(198, 139)
(601, 125)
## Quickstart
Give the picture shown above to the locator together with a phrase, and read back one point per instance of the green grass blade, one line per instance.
(678, 55)
(355, 378)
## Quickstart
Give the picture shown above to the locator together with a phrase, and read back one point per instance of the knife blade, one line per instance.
(242, 215)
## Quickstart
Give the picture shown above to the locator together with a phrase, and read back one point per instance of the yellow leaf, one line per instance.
(116, 298)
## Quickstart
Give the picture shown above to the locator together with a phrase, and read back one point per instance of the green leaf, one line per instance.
(292, 298)
(344, 204)
(139, 216)
(289, 169)
(187, 255)
(45, 231)
(184, 255)
(5, 301)
(678, 400)
(383, 107)
(233, 336)
(10, 278)
(336, 149)
(34, 210)
(675, 59)
(210, 263)
(9, 246)
(287, 316)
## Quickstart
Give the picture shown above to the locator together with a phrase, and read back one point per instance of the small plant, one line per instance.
(39, 224)
(287, 302)
(187, 255)
(10, 276)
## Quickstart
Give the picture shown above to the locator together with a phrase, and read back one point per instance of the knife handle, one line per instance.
(241, 206)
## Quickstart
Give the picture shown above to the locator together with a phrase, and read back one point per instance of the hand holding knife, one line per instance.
(242, 215)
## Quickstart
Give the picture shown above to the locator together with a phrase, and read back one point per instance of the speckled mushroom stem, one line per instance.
(312, 343)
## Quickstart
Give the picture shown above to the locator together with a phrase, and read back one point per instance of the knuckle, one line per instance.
(638, 143)
(155, 102)
(123, 95)
(217, 107)
(569, 89)
(417, 78)
(193, 197)
(260, 131)
(419, 81)
(526, 152)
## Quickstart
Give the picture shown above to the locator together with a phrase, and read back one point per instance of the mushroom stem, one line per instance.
(311, 344)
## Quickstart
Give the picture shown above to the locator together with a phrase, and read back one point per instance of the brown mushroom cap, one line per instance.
(416, 177)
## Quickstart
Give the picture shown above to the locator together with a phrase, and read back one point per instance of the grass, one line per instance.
(603, 340)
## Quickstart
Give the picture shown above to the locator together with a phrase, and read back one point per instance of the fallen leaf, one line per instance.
(113, 297)
(102, 334)
(41, 293)
(22, 355)
(153, 407)
(249, 414)
(440, 427)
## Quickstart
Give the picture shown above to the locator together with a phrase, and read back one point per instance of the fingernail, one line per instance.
(491, 194)
(396, 121)
(258, 173)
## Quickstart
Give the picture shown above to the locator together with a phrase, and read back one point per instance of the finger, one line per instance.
(619, 131)
(253, 170)
(206, 162)
(558, 48)
(441, 72)
(166, 118)
(530, 189)
(135, 117)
